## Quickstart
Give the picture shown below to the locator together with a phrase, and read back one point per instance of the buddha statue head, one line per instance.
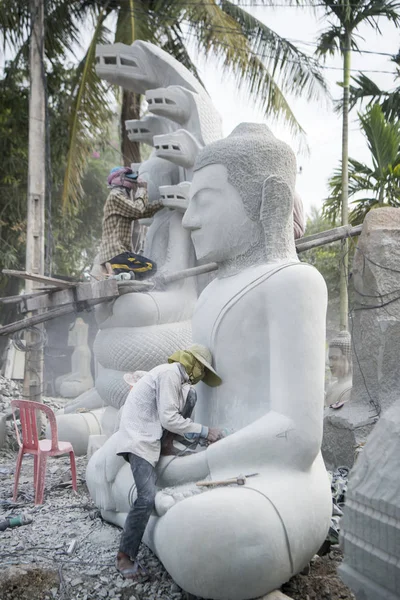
(242, 199)
(340, 356)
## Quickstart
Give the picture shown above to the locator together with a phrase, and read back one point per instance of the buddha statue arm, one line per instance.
(290, 432)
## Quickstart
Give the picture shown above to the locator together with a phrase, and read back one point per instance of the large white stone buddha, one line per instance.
(263, 318)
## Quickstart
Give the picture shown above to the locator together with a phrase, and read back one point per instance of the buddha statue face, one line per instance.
(219, 225)
(338, 363)
(241, 201)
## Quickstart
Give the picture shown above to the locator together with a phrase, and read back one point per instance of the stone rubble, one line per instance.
(41, 546)
(37, 553)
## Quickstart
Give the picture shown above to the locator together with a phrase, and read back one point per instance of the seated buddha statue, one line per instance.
(340, 364)
(263, 318)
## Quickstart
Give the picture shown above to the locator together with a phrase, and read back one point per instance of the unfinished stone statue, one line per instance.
(80, 378)
(375, 327)
(371, 523)
(263, 318)
(139, 331)
(340, 364)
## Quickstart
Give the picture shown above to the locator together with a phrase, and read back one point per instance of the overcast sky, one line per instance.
(321, 123)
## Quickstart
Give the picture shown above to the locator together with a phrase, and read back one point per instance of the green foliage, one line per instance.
(366, 89)
(76, 235)
(347, 16)
(89, 117)
(264, 63)
(324, 258)
(13, 168)
(370, 186)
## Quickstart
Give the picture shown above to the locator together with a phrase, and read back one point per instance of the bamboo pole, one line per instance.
(327, 237)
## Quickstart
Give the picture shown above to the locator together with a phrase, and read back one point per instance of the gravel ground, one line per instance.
(34, 564)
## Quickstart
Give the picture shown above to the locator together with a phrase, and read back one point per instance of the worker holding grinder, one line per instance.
(157, 404)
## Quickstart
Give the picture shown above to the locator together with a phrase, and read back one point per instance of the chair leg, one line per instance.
(41, 475)
(35, 469)
(17, 473)
(73, 470)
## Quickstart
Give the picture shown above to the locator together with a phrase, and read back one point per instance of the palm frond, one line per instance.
(298, 73)
(175, 46)
(15, 20)
(366, 89)
(62, 28)
(383, 138)
(330, 41)
(89, 112)
(264, 64)
(374, 9)
(135, 22)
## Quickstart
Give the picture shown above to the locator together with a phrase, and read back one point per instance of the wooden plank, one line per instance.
(46, 316)
(106, 289)
(40, 278)
(19, 297)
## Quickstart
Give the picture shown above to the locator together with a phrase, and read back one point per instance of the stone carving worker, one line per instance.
(155, 404)
(126, 202)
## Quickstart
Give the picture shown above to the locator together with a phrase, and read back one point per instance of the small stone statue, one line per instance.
(80, 378)
(340, 365)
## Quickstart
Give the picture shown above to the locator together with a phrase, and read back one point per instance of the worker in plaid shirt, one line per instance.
(126, 202)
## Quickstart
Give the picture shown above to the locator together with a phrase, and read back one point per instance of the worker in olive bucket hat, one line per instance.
(161, 401)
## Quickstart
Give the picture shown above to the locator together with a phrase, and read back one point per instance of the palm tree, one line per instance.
(366, 89)
(371, 186)
(265, 64)
(348, 15)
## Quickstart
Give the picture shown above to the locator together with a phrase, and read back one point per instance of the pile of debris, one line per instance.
(9, 390)
(12, 390)
(67, 551)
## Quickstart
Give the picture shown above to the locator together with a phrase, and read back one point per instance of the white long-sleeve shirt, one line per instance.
(155, 404)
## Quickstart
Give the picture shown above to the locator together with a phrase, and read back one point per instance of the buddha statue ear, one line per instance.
(277, 201)
(276, 216)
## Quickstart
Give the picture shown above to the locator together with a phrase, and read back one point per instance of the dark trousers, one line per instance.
(144, 475)
(128, 261)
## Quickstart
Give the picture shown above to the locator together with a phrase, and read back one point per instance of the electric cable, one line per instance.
(24, 346)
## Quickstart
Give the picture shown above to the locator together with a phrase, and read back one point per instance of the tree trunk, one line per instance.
(130, 110)
(344, 263)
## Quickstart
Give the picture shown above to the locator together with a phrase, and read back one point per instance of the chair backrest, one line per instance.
(27, 417)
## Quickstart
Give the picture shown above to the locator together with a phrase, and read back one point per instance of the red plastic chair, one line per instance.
(40, 449)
